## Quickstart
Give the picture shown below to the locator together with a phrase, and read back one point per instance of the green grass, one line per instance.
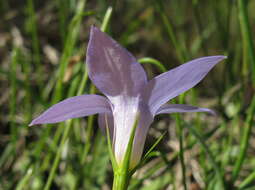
(197, 149)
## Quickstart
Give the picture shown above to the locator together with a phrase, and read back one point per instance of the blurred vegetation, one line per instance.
(42, 53)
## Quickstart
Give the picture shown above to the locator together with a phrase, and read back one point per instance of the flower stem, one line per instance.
(180, 48)
(120, 181)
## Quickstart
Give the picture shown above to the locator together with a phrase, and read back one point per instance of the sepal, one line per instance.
(148, 154)
(110, 149)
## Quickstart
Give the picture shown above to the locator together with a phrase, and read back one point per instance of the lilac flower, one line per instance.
(118, 75)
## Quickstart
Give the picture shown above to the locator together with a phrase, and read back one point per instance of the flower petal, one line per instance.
(140, 137)
(124, 120)
(118, 75)
(77, 106)
(170, 84)
(181, 108)
(124, 114)
(112, 68)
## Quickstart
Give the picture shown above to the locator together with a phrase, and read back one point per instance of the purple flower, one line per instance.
(118, 75)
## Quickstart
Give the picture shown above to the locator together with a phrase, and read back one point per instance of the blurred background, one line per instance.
(42, 53)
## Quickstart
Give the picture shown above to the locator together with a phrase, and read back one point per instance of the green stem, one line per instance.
(179, 133)
(63, 11)
(120, 181)
(58, 155)
(181, 153)
(210, 156)
(70, 41)
(248, 46)
(244, 141)
(13, 94)
(198, 22)
(25, 180)
(247, 181)
(153, 61)
(180, 50)
(32, 27)
(107, 18)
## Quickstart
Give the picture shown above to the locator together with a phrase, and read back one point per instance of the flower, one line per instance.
(118, 75)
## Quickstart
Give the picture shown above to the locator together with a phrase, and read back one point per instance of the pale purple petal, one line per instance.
(181, 108)
(124, 119)
(140, 137)
(170, 84)
(112, 68)
(77, 106)
(124, 114)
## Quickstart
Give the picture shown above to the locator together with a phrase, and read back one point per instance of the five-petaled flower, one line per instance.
(118, 75)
